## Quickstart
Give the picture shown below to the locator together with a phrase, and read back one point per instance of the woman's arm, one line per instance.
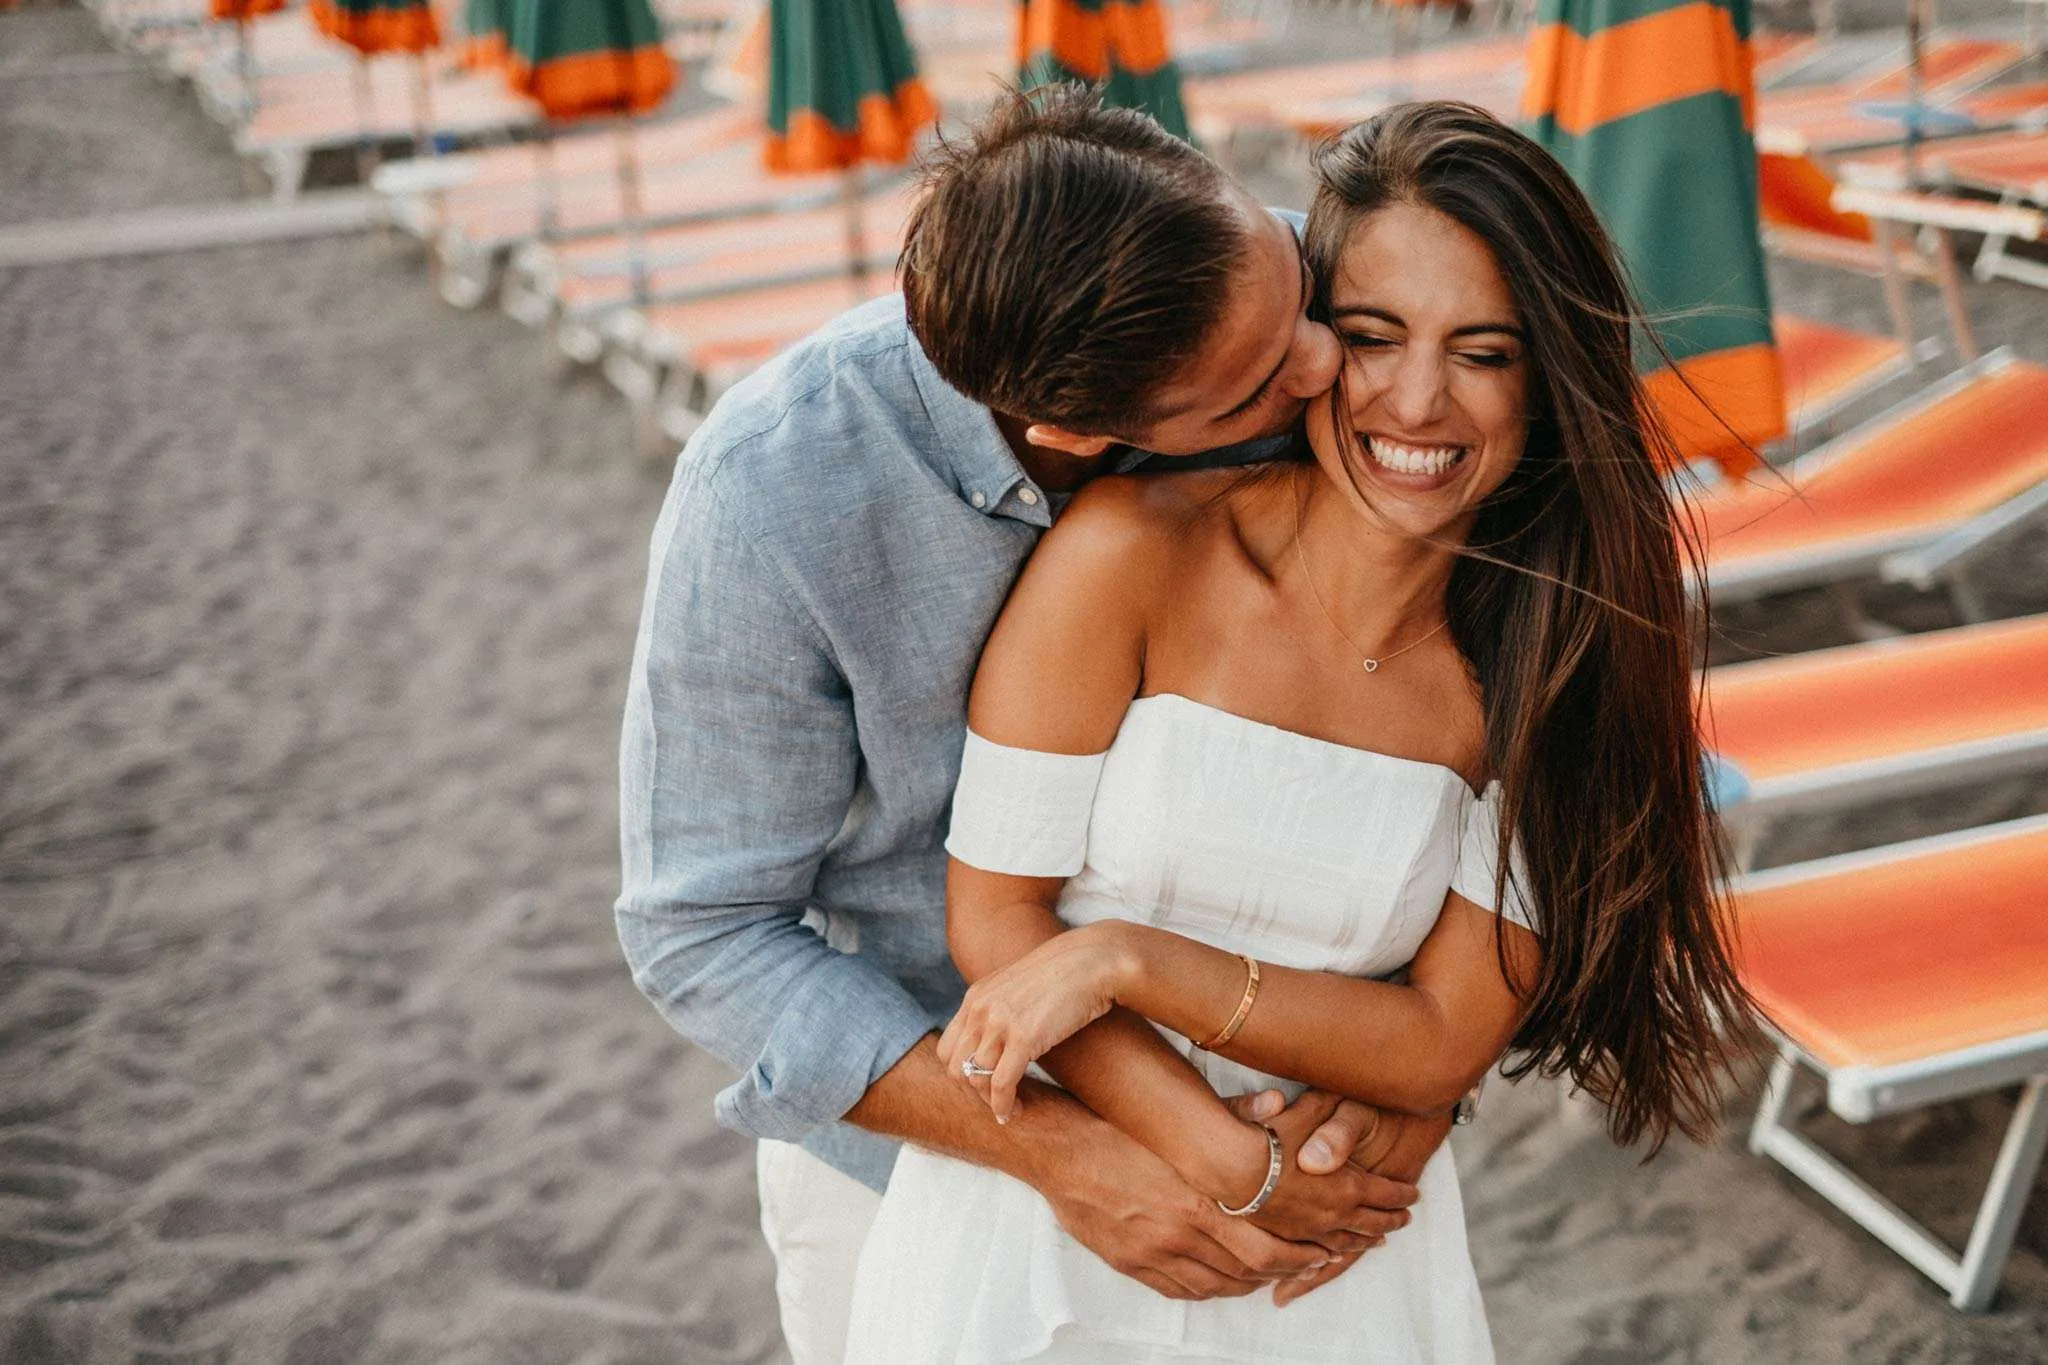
(1413, 1047)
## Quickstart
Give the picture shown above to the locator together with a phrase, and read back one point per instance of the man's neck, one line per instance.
(1054, 471)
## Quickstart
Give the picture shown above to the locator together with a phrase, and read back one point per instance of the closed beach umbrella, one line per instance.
(843, 90)
(1650, 106)
(1117, 44)
(377, 26)
(842, 85)
(586, 58)
(239, 13)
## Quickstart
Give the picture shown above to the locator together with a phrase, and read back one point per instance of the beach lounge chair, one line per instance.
(1283, 98)
(1907, 976)
(2012, 167)
(1818, 731)
(673, 360)
(1893, 484)
(1827, 368)
(573, 282)
(692, 170)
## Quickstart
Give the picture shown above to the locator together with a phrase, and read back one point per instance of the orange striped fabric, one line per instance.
(1906, 959)
(1623, 70)
(586, 82)
(1132, 35)
(390, 29)
(1794, 192)
(1959, 457)
(1810, 712)
(888, 129)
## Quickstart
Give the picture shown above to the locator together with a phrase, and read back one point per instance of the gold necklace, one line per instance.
(1372, 665)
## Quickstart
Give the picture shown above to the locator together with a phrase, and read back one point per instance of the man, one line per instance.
(837, 541)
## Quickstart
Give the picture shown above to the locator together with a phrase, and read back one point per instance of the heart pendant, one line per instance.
(1372, 665)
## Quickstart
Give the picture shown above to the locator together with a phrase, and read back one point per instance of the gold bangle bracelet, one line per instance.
(1244, 1006)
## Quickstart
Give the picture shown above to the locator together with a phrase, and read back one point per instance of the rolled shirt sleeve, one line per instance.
(738, 765)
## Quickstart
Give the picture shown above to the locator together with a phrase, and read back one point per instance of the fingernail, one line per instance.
(1002, 1118)
(1266, 1105)
(1316, 1150)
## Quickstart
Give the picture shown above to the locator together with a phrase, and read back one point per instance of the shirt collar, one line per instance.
(965, 436)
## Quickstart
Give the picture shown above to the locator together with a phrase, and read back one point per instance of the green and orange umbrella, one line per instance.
(1120, 45)
(581, 58)
(373, 27)
(1650, 105)
(843, 91)
(586, 59)
(843, 87)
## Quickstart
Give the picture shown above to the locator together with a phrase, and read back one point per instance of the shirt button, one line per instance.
(977, 499)
(1028, 496)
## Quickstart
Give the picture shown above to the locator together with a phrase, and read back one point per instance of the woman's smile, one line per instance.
(1417, 466)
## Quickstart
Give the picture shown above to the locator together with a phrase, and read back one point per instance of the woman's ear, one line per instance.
(1060, 439)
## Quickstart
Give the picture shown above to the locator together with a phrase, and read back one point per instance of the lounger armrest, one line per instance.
(1941, 211)
(422, 175)
(1924, 565)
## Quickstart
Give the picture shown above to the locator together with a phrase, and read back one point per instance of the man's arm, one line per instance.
(738, 764)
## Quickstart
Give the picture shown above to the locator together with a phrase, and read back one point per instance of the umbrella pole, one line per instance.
(545, 182)
(366, 150)
(1916, 16)
(245, 69)
(850, 192)
(629, 204)
(422, 109)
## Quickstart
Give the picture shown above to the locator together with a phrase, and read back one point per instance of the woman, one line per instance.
(1241, 744)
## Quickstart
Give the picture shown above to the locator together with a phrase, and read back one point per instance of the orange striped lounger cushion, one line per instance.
(1811, 712)
(1888, 486)
(1907, 958)
(1823, 365)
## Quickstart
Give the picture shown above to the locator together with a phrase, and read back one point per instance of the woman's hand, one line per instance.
(1016, 1015)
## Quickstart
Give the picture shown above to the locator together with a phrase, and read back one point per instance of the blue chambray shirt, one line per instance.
(837, 541)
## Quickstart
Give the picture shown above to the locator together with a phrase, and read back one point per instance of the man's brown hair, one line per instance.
(1067, 259)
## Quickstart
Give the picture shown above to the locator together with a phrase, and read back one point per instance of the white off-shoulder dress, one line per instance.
(1301, 852)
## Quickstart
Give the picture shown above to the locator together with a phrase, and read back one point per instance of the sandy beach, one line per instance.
(316, 1046)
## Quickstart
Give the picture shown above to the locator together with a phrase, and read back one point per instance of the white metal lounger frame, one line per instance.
(1766, 574)
(1861, 1093)
(1875, 779)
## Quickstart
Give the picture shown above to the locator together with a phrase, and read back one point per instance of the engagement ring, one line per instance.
(971, 1068)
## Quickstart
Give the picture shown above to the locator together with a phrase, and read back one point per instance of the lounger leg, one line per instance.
(1964, 597)
(1770, 1112)
(1950, 279)
(1992, 253)
(1998, 1217)
(1972, 1281)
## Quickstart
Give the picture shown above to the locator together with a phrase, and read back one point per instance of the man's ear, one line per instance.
(1059, 438)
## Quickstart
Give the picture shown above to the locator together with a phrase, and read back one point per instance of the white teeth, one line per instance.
(1413, 459)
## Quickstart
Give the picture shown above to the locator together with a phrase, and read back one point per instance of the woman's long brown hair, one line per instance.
(1569, 602)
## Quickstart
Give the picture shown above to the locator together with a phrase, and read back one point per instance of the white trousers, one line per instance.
(815, 1219)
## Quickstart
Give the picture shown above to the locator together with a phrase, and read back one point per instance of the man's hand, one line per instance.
(1131, 1209)
(1337, 1204)
(1353, 1135)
